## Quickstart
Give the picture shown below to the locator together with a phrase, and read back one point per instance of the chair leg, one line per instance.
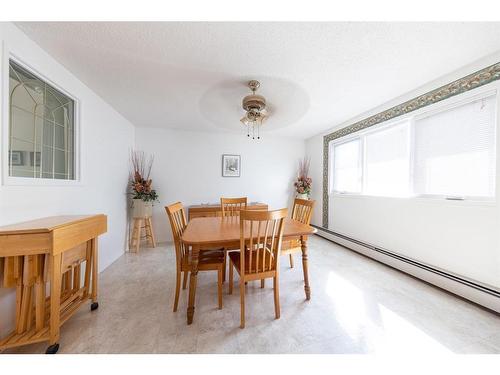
(177, 289)
(224, 267)
(262, 283)
(230, 276)
(185, 279)
(242, 303)
(291, 260)
(276, 297)
(219, 287)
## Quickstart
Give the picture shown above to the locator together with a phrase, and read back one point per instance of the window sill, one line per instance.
(423, 199)
(29, 181)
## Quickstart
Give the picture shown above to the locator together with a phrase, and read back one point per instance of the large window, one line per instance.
(446, 153)
(455, 151)
(41, 132)
(387, 170)
(347, 167)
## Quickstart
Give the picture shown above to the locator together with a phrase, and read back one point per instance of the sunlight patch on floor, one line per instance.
(383, 330)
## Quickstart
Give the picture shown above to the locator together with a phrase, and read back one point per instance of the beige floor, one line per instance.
(357, 306)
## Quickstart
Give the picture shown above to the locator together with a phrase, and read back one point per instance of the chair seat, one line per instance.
(236, 255)
(291, 246)
(211, 256)
(206, 258)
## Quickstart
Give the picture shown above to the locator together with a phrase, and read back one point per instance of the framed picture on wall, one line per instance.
(16, 158)
(231, 165)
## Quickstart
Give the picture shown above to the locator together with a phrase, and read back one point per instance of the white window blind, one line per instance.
(387, 161)
(347, 167)
(455, 151)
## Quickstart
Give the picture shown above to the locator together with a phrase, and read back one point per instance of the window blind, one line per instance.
(387, 161)
(347, 167)
(455, 151)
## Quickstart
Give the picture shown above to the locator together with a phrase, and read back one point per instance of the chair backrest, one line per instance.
(178, 223)
(233, 206)
(261, 234)
(302, 210)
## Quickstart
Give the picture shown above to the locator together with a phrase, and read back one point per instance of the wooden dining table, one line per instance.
(207, 233)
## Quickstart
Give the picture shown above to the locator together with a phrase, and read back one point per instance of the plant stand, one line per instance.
(138, 225)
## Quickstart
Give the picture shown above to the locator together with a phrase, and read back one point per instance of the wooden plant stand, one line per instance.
(138, 225)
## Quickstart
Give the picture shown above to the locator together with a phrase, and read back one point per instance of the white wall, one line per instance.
(187, 168)
(459, 237)
(106, 140)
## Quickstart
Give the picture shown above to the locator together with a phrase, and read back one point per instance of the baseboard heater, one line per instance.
(481, 294)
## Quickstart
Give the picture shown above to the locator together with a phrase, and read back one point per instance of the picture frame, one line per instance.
(35, 158)
(231, 165)
(16, 158)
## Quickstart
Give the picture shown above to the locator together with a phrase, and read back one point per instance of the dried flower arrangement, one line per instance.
(304, 182)
(140, 182)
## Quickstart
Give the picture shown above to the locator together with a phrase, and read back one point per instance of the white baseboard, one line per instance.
(468, 292)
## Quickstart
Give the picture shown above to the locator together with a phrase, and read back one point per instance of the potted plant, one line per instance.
(304, 182)
(143, 195)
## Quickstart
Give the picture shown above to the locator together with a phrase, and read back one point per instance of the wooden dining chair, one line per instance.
(209, 260)
(232, 206)
(302, 211)
(261, 233)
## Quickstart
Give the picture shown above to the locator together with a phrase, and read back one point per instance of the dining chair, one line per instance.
(302, 211)
(209, 260)
(232, 206)
(261, 233)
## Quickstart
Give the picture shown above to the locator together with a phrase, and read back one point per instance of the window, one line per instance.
(455, 151)
(387, 166)
(347, 167)
(446, 153)
(42, 132)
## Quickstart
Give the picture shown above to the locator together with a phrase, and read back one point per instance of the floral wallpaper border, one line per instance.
(467, 83)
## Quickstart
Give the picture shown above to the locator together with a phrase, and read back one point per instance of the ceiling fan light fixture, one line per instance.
(255, 107)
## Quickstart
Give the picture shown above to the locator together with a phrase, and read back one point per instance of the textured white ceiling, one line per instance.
(192, 76)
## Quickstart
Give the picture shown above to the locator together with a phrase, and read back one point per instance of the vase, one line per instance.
(141, 208)
(302, 196)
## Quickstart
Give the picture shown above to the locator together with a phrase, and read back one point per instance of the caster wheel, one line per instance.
(52, 349)
(94, 306)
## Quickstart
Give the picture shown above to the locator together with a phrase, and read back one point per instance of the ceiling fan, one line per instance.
(255, 107)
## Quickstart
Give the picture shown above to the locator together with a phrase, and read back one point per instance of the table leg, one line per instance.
(19, 299)
(88, 268)
(192, 283)
(40, 297)
(95, 271)
(305, 266)
(55, 302)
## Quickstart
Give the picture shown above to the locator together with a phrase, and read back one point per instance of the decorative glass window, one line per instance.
(42, 129)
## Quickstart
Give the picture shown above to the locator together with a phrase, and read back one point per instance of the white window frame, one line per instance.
(381, 127)
(344, 140)
(462, 101)
(491, 89)
(8, 180)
